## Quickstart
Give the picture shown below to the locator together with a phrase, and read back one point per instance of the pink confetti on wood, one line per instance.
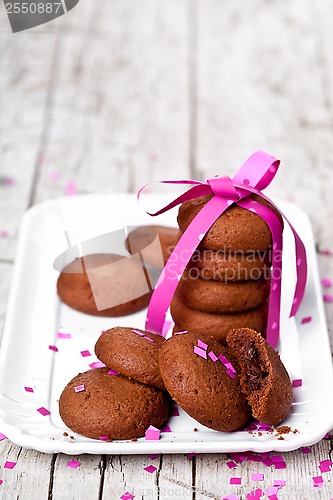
(152, 433)
(306, 449)
(43, 411)
(280, 465)
(112, 372)
(28, 389)
(327, 435)
(54, 176)
(231, 464)
(326, 251)
(2, 436)
(213, 356)
(85, 354)
(279, 482)
(53, 348)
(318, 481)
(328, 298)
(174, 412)
(9, 465)
(1, 481)
(272, 497)
(166, 428)
(324, 468)
(200, 352)
(79, 388)
(326, 282)
(231, 497)
(272, 490)
(70, 189)
(203, 345)
(297, 383)
(62, 335)
(127, 496)
(73, 464)
(97, 364)
(191, 455)
(306, 319)
(150, 469)
(4, 234)
(154, 456)
(9, 181)
(257, 477)
(137, 332)
(235, 480)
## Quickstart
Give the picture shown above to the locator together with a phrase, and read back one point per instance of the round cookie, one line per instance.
(264, 379)
(201, 386)
(155, 242)
(219, 297)
(239, 266)
(104, 285)
(217, 326)
(112, 406)
(133, 353)
(236, 229)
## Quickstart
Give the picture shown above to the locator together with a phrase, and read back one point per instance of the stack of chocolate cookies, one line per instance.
(227, 281)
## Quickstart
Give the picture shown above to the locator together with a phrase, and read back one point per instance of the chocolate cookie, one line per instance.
(111, 406)
(202, 386)
(219, 297)
(154, 242)
(133, 353)
(264, 379)
(105, 285)
(216, 326)
(239, 266)
(236, 229)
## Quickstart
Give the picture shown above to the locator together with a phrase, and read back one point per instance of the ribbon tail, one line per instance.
(173, 270)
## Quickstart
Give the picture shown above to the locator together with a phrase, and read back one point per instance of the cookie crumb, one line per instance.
(195, 429)
(71, 437)
(284, 429)
(133, 439)
(259, 433)
(65, 434)
(281, 438)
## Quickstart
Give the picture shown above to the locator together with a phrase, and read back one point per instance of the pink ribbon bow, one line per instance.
(255, 174)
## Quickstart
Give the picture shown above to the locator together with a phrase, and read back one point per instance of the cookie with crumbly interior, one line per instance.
(215, 325)
(112, 406)
(154, 242)
(264, 379)
(237, 229)
(227, 266)
(220, 297)
(133, 353)
(201, 386)
(105, 285)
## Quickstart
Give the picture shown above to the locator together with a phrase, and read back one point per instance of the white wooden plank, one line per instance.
(257, 91)
(128, 124)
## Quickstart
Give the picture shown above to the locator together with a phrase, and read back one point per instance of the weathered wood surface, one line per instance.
(116, 94)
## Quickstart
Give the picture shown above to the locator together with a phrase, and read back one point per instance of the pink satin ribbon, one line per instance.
(255, 174)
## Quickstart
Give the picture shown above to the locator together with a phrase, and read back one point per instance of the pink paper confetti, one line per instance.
(104, 438)
(257, 477)
(272, 490)
(150, 469)
(2, 436)
(154, 456)
(326, 282)
(53, 348)
(9, 465)
(326, 251)
(223, 359)
(43, 411)
(279, 482)
(8, 181)
(1, 481)
(85, 354)
(327, 435)
(328, 298)
(297, 383)
(230, 373)
(73, 464)
(200, 352)
(235, 480)
(324, 468)
(79, 388)
(127, 496)
(273, 497)
(306, 319)
(191, 455)
(137, 332)
(28, 389)
(174, 412)
(70, 189)
(306, 449)
(54, 176)
(318, 481)
(280, 465)
(213, 356)
(231, 464)
(230, 367)
(166, 428)
(97, 364)
(231, 497)
(62, 335)
(152, 433)
(203, 345)
(4, 234)
(112, 372)
(180, 333)
(148, 338)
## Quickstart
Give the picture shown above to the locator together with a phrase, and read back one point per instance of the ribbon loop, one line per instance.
(223, 186)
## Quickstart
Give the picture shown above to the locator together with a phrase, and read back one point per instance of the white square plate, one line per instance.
(35, 315)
